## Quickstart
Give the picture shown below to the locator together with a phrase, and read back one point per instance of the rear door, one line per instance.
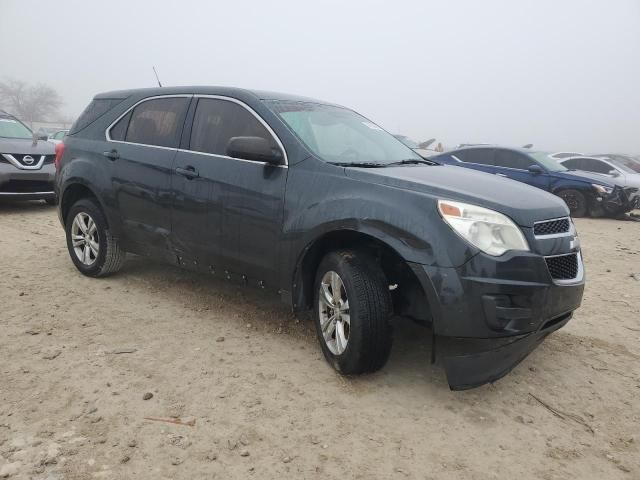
(227, 213)
(143, 146)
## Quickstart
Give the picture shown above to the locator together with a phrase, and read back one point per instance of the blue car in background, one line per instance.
(584, 193)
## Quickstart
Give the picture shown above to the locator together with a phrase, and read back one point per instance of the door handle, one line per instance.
(502, 175)
(189, 172)
(112, 154)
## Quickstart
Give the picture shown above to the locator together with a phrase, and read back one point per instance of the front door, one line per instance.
(514, 165)
(227, 212)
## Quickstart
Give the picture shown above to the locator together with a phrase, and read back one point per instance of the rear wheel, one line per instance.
(576, 201)
(352, 310)
(93, 249)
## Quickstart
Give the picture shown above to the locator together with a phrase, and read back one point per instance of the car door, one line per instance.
(143, 145)
(227, 212)
(515, 165)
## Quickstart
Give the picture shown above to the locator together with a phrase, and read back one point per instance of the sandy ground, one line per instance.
(259, 399)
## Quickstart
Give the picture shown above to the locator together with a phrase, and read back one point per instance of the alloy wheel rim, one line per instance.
(335, 318)
(84, 238)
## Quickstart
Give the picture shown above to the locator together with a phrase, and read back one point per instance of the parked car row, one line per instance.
(585, 191)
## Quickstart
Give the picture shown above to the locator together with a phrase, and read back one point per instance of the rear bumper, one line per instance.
(26, 184)
(489, 314)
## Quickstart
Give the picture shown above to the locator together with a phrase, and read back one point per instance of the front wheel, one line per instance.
(576, 201)
(352, 311)
(93, 249)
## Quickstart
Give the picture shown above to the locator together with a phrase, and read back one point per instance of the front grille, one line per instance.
(563, 267)
(31, 161)
(551, 227)
(25, 186)
(48, 159)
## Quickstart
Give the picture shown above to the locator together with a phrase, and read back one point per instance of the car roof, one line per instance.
(210, 90)
(487, 146)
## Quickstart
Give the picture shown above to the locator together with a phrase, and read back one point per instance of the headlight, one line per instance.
(602, 189)
(490, 231)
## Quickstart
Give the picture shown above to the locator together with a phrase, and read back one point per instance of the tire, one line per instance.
(576, 201)
(51, 201)
(368, 332)
(104, 260)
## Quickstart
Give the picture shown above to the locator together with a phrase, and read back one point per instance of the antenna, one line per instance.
(157, 78)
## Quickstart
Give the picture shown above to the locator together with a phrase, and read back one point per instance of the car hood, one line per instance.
(20, 146)
(522, 203)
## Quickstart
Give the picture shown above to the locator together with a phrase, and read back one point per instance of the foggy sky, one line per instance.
(561, 74)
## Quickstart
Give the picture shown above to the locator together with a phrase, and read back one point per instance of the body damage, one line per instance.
(268, 226)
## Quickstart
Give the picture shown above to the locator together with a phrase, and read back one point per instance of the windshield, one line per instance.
(547, 162)
(12, 128)
(339, 135)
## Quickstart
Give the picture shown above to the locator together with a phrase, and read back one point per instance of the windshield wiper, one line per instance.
(359, 164)
(413, 161)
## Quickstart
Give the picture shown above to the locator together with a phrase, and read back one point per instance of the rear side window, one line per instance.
(483, 156)
(97, 108)
(155, 122)
(510, 159)
(216, 121)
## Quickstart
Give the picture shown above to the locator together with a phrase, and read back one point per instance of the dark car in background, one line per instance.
(26, 162)
(319, 204)
(584, 193)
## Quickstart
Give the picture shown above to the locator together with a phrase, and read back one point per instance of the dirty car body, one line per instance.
(273, 223)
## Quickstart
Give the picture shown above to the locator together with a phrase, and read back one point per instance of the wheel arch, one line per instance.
(409, 298)
(75, 191)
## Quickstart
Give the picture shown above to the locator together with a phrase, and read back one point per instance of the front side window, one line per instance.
(511, 159)
(154, 122)
(597, 166)
(12, 128)
(338, 135)
(547, 162)
(216, 121)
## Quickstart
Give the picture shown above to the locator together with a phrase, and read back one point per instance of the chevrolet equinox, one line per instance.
(323, 207)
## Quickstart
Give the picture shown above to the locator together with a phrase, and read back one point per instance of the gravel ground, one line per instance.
(89, 367)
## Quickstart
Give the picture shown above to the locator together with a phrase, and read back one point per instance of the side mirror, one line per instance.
(535, 169)
(40, 135)
(254, 148)
(614, 173)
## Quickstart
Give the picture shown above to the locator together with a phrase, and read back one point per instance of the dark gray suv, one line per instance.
(26, 162)
(323, 207)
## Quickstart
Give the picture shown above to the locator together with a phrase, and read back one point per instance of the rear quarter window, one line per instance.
(97, 108)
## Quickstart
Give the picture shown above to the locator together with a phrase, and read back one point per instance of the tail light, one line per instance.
(59, 152)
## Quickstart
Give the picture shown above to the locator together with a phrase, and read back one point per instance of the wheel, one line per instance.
(51, 201)
(352, 310)
(93, 249)
(576, 202)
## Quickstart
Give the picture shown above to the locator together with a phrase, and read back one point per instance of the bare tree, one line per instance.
(29, 102)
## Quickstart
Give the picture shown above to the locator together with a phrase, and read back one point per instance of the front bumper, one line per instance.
(26, 184)
(620, 200)
(490, 313)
